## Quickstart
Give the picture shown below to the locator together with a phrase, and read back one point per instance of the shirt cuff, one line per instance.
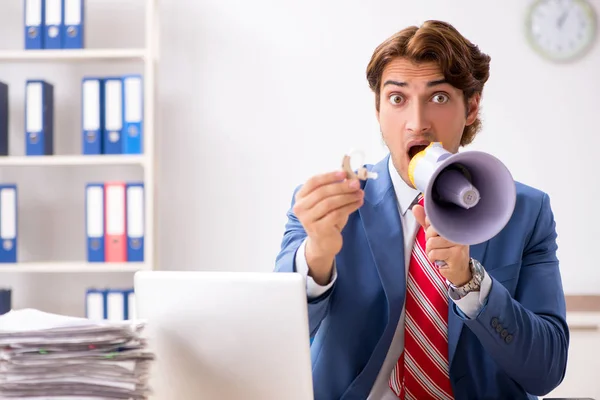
(313, 289)
(470, 305)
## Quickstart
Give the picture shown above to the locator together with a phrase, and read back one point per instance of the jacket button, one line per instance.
(498, 328)
(508, 339)
(504, 334)
(494, 322)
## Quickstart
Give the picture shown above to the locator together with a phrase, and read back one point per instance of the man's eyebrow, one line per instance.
(404, 84)
(391, 82)
(435, 83)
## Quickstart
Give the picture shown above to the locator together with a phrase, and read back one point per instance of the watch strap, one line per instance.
(474, 284)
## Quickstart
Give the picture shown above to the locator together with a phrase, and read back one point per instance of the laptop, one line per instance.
(226, 335)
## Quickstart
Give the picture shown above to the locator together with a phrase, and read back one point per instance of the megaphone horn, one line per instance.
(468, 197)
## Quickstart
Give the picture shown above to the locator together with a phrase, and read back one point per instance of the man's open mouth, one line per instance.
(413, 150)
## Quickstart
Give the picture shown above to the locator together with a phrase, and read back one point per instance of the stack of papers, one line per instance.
(54, 356)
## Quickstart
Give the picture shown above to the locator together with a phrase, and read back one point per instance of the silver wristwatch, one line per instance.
(478, 273)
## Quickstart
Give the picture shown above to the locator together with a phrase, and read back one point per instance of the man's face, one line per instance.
(417, 107)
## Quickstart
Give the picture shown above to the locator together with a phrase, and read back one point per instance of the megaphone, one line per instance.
(468, 197)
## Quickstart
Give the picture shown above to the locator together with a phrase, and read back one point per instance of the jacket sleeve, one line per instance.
(528, 335)
(293, 237)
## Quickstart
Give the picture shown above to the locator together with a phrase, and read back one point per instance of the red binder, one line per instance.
(115, 245)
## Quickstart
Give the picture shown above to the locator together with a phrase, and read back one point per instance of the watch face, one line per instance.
(561, 30)
(478, 272)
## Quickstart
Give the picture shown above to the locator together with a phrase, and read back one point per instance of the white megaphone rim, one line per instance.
(467, 156)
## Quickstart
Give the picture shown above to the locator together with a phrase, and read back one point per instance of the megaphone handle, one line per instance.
(441, 264)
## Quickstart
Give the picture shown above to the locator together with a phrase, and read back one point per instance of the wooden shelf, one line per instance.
(73, 266)
(61, 160)
(73, 55)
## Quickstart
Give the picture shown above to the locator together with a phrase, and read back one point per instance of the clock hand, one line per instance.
(562, 18)
(566, 8)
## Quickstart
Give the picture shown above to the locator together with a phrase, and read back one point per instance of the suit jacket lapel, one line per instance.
(455, 323)
(381, 221)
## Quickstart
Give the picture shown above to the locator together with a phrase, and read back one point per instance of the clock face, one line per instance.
(561, 30)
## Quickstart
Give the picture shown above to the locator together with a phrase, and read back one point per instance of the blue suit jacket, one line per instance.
(514, 349)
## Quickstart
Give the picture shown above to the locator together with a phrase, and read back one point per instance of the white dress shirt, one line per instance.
(470, 305)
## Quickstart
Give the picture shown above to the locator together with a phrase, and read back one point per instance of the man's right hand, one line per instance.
(323, 205)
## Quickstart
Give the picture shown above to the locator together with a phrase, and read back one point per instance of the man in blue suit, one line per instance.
(386, 322)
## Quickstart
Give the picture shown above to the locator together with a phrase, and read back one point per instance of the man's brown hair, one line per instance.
(461, 62)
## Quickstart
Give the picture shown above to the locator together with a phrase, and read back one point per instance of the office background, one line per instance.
(255, 97)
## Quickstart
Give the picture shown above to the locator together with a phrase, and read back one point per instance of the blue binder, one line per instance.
(133, 114)
(34, 26)
(116, 305)
(130, 311)
(95, 304)
(119, 304)
(92, 115)
(113, 116)
(39, 118)
(135, 221)
(8, 223)
(94, 225)
(73, 26)
(5, 300)
(53, 24)
(4, 113)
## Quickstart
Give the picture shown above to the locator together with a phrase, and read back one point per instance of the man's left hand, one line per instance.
(456, 256)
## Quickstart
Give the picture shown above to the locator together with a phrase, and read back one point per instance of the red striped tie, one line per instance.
(422, 371)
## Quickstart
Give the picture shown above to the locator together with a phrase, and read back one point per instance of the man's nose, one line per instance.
(417, 119)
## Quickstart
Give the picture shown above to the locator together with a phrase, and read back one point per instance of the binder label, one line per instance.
(53, 17)
(33, 13)
(114, 107)
(34, 107)
(91, 110)
(135, 211)
(8, 211)
(72, 13)
(95, 306)
(131, 306)
(133, 96)
(115, 304)
(95, 218)
(115, 218)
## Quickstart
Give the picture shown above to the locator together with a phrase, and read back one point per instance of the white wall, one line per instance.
(267, 93)
(257, 96)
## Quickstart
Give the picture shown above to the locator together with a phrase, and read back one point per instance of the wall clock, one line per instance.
(561, 30)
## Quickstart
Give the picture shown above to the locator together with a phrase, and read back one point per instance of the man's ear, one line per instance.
(473, 109)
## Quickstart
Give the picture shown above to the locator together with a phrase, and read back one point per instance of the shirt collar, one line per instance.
(405, 194)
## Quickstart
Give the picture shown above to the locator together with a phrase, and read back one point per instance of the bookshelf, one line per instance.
(74, 266)
(148, 57)
(75, 160)
(83, 55)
